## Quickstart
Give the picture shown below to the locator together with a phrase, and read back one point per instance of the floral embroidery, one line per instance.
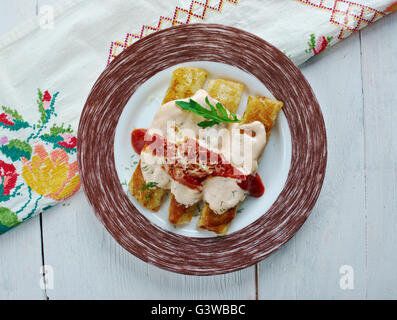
(196, 12)
(35, 173)
(16, 149)
(61, 137)
(51, 175)
(12, 120)
(3, 141)
(8, 176)
(6, 120)
(8, 218)
(69, 141)
(318, 46)
(392, 7)
(349, 16)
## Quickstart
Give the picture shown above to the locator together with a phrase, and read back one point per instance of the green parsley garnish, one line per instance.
(214, 116)
(150, 185)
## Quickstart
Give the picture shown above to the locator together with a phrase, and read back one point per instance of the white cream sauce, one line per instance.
(240, 144)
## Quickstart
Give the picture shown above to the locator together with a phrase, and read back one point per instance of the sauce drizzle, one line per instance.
(193, 175)
(138, 140)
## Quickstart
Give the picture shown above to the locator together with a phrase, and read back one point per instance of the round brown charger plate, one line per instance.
(112, 91)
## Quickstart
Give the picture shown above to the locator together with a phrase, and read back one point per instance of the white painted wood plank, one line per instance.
(379, 65)
(20, 262)
(20, 248)
(334, 235)
(89, 264)
(15, 12)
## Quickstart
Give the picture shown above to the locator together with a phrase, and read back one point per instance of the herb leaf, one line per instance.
(214, 116)
(222, 110)
(150, 185)
(206, 124)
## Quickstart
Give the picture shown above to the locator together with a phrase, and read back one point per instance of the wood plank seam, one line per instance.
(364, 163)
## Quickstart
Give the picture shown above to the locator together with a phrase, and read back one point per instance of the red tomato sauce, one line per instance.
(254, 185)
(138, 139)
(194, 174)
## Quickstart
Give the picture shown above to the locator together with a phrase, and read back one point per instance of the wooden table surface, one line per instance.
(352, 230)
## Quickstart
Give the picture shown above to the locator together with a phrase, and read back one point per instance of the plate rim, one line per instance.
(134, 232)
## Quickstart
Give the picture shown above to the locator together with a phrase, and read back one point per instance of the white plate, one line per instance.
(139, 113)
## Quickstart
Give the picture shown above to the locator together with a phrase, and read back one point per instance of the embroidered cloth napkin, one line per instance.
(49, 64)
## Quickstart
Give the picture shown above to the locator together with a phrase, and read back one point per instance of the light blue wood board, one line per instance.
(379, 71)
(334, 235)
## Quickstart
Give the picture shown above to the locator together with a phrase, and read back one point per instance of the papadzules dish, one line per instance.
(201, 151)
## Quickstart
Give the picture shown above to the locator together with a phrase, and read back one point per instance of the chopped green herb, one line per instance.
(214, 116)
(150, 185)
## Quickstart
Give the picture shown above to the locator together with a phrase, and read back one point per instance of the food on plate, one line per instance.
(149, 196)
(184, 83)
(260, 109)
(227, 92)
(264, 110)
(201, 151)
